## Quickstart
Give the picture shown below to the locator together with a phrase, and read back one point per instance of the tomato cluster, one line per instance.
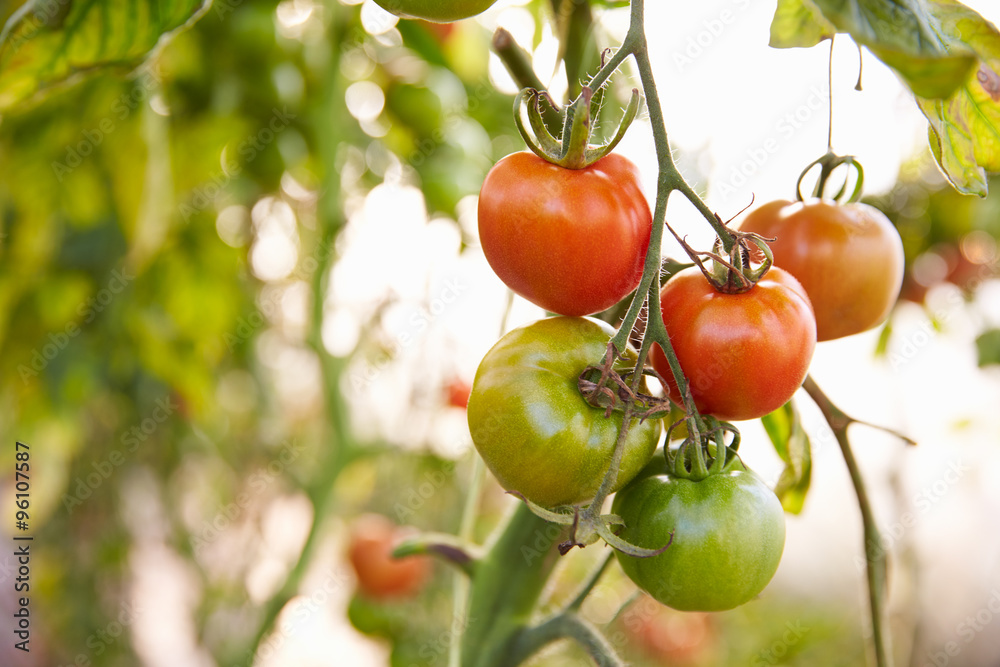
(574, 241)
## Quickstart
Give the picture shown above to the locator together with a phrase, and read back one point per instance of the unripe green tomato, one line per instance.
(439, 11)
(728, 535)
(533, 427)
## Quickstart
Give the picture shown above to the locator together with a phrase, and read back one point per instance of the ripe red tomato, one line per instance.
(379, 574)
(572, 241)
(848, 258)
(744, 354)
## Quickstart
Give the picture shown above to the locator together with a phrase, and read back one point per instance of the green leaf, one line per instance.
(792, 444)
(964, 130)
(46, 44)
(903, 34)
(798, 23)
(988, 345)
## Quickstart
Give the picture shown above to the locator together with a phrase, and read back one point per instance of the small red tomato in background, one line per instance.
(668, 636)
(572, 241)
(457, 393)
(373, 537)
(848, 258)
(744, 354)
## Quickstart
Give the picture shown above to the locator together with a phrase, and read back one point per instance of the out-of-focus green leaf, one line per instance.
(964, 129)
(45, 44)
(945, 52)
(798, 23)
(792, 444)
(988, 345)
(903, 34)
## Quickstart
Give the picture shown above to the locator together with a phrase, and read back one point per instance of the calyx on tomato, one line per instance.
(533, 427)
(726, 535)
(848, 257)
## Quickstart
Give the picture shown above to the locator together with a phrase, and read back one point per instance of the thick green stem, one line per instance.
(564, 626)
(508, 583)
(875, 556)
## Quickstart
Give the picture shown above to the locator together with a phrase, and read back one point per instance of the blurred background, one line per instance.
(242, 300)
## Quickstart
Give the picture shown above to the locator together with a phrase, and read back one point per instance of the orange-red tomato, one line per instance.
(457, 392)
(743, 354)
(379, 575)
(572, 241)
(849, 258)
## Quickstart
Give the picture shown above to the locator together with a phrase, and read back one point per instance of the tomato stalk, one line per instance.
(875, 557)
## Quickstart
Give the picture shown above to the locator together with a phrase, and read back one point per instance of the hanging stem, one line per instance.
(875, 556)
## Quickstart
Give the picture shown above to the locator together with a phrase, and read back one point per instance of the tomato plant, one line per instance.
(744, 354)
(439, 11)
(848, 258)
(726, 535)
(380, 575)
(572, 241)
(533, 427)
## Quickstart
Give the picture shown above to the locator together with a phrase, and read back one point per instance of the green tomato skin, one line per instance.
(729, 533)
(533, 428)
(439, 11)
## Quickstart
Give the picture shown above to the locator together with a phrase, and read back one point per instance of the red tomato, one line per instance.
(458, 391)
(572, 241)
(848, 258)
(379, 574)
(744, 354)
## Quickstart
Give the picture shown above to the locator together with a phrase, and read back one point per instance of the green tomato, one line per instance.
(440, 11)
(728, 535)
(532, 426)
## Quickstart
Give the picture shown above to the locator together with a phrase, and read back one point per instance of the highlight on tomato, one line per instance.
(744, 354)
(572, 241)
(848, 258)
(533, 427)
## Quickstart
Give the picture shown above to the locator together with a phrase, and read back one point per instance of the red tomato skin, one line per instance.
(572, 241)
(848, 258)
(743, 354)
